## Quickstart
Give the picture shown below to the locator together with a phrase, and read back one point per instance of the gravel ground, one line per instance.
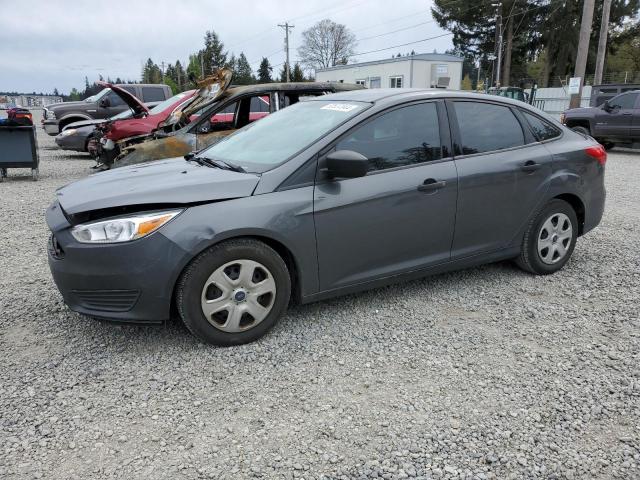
(484, 373)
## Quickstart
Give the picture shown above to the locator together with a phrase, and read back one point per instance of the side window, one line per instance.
(395, 82)
(404, 136)
(221, 120)
(260, 104)
(627, 100)
(541, 130)
(115, 100)
(152, 94)
(129, 88)
(485, 127)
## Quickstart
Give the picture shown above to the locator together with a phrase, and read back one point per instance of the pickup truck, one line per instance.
(616, 121)
(104, 104)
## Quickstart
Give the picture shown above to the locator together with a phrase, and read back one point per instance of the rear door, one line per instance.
(400, 216)
(616, 122)
(502, 173)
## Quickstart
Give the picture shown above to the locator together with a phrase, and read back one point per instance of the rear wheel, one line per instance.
(608, 145)
(550, 239)
(234, 292)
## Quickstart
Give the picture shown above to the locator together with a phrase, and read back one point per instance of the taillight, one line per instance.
(598, 152)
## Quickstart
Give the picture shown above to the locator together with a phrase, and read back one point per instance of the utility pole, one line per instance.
(286, 27)
(498, 6)
(162, 71)
(602, 42)
(583, 49)
(201, 67)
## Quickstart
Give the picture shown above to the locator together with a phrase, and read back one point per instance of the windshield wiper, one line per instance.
(210, 162)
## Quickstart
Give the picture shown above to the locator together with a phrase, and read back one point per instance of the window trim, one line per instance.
(362, 80)
(375, 78)
(444, 130)
(457, 137)
(629, 92)
(560, 131)
(396, 77)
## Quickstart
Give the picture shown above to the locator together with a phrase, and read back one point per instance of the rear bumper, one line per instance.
(51, 127)
(129, 283)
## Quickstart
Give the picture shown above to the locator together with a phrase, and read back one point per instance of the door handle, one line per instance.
(430, 185)
(530, 166)
(627, 114)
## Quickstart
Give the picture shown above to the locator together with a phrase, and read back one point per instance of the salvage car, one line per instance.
(333, 195)
(76, 136)
(197, 126)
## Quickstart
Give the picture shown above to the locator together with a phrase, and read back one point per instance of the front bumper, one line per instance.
(51, 127)
(130, 282)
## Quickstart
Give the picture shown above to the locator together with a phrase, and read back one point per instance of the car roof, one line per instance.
(290, 86)
(392, 95)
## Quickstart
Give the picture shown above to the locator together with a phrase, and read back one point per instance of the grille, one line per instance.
(107, 300)
(55, 249)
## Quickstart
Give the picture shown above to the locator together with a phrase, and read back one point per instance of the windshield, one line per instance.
(97, 96)
(167, 103)
(265, 144)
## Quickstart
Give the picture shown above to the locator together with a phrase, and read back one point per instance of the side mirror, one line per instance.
(606, 106)
(105, 102)
(347, 164)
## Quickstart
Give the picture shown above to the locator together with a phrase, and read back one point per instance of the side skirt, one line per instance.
(459, 264)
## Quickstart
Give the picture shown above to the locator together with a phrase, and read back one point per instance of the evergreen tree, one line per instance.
(194, 69)
(232, 65)
(297, 75)
(181, 77)
(264, 72)
(283, 73)
(56, 92)
(244, 75)
(213, 54)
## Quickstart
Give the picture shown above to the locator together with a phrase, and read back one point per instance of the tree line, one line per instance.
(540, 37)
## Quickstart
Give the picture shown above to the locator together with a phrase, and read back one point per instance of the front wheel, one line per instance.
(550, 239)
(234, 292)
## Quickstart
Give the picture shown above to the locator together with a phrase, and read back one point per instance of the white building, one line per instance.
(425, 70)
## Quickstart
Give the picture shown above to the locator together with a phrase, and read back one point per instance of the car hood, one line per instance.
(83, 123)
(131, 100)
(172, 181)
(209, 90)
(583, 111)
(67, 106)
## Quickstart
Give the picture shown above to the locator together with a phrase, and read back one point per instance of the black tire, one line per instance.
(530, 259)
(583, 130)
(608, 145)
(192, 281)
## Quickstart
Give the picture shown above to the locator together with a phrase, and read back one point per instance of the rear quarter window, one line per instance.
(542, 130)
(485, 127)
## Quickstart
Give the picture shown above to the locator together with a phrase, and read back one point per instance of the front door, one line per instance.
(616, 121)
(397, 218)
(502, 177)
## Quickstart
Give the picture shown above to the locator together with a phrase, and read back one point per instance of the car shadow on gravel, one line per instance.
(174, 335)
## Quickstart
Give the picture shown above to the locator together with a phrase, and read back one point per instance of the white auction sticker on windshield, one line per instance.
(339, 107)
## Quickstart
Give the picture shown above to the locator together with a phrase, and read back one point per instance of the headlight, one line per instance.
(563, 117)
(122, 229)
(51, 115)
(66, 133)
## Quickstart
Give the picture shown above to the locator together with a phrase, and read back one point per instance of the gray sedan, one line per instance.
(334, 195)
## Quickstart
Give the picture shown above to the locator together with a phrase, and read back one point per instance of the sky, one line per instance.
(47, 44)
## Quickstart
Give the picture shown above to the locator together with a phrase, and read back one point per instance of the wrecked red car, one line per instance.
(143, 122)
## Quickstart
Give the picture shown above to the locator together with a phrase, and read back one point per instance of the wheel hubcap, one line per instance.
(238, 295)
(555, 238)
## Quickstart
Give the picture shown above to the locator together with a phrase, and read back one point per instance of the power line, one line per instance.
(403, 44)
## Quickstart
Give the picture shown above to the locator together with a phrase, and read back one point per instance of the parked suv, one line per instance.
(615, 121)
(104, 104)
